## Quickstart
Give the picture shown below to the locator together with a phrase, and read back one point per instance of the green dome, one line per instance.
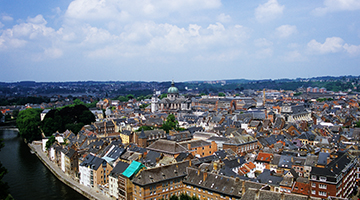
(173, 89)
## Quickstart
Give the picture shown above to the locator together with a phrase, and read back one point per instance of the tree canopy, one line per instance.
(28, 122)
(67, 118)
(50, 142)
(170, 123)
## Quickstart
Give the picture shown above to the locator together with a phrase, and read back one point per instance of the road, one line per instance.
(88, 192)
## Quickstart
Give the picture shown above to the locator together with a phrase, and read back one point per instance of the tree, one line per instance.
(28, 123)
(221, 94)
(145, 128)
(122, 99)
(130, 96)
(162, 96)
(78, 102)
(50, 142)
(142, 106)
(174, 197)
(170, 123)
(357, 124)
(72, 118)
(92, 104)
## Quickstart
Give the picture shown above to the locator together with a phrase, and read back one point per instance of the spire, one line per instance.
(142, 134)
(172, 83)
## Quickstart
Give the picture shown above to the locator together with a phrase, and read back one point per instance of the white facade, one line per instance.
(63, 161)
(260, 166)
(43, 141)
(52, 153)
(113, 187)
(85, 173)
(154, 104)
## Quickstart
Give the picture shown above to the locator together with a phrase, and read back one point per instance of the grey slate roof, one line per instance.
(159, 174)
(167, 146)
(93, 162)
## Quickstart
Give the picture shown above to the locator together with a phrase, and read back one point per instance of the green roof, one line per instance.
(173, 89)
(133, 168)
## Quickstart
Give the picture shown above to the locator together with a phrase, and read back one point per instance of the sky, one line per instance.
(181, 40)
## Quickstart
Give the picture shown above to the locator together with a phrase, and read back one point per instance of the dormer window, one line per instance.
(322, 178)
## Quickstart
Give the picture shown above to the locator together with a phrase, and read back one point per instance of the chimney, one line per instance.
(215, 166)
(198, 172)
(190, 163)
(237, 179)
(243, 188)
(204, 176)
(189, 146)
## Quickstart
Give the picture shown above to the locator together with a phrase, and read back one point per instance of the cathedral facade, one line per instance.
(173, 102)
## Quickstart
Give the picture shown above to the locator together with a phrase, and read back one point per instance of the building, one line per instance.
(173, 102)
(336, 179)
(160, 182)
(200, 148)
(242, 144)
(114, 178)
(94, 171)
(167, 148)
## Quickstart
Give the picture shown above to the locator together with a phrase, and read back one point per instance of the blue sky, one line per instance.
(161, 40)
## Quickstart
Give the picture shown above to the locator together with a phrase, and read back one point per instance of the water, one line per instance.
(27, 177)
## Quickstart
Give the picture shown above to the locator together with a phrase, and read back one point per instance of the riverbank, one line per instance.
(89, 193)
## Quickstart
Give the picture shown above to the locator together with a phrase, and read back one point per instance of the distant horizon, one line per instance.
(23, 81)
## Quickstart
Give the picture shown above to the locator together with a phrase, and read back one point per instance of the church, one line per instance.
(173, 102)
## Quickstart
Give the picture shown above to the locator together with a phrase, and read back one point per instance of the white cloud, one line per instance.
(1, 25)
(268, 11)
(262, 42)
(331, 45)
(337, 5)
(286, 30)
(223, 18)
(353, 50)
(6, 18)
(39, 19)
(93, 11)
(53, 53)
(33, 35)
(95, 35)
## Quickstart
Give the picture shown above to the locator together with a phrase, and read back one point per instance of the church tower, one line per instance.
(173, 92)
(154, 102)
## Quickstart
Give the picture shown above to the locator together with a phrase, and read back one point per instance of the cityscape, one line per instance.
(249, 144)
(179, 100)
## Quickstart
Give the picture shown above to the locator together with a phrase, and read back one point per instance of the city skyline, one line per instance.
(120, 40)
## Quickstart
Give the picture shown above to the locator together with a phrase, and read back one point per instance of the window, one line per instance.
(322, 178)
(313, 177)
(322, 186)
(313, 191)
(313, 184)
(322, 193)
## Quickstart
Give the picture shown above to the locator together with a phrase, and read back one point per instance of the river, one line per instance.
(27, 177)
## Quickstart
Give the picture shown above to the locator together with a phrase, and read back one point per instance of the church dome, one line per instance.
(173, 89)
